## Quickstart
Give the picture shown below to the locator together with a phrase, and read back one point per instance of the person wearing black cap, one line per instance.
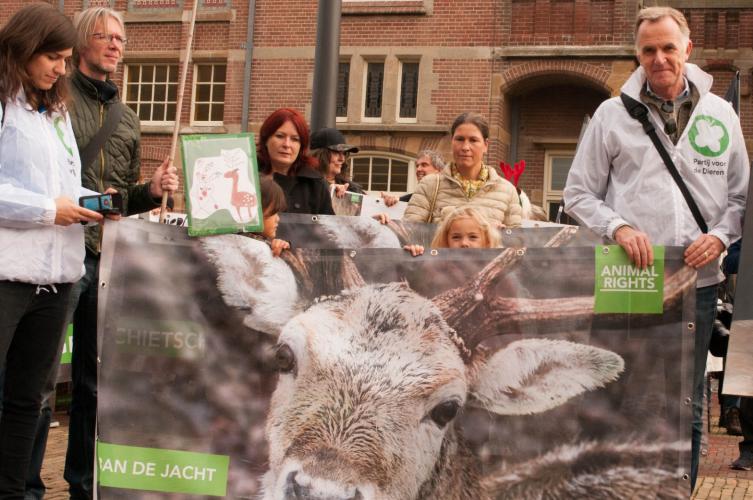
(329, 149)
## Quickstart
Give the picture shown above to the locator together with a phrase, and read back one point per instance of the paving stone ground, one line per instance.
(715, 480)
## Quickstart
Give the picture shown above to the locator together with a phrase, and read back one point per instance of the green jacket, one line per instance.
(118, 164)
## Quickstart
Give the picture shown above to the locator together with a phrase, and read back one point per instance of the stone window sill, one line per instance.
(386, 7)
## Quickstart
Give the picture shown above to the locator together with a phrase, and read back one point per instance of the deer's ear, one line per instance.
(253, 281)
(535, 375)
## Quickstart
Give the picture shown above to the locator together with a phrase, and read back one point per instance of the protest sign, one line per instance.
(222, 184)
(457, 374)
(365, 204)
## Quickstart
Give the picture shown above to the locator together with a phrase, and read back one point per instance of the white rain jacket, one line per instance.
(39, 162)
(618, 177)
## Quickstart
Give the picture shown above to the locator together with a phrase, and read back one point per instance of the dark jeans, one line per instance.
(35, 487)
(79, 459)
(746, 423)
(705, 312)
(31, 324)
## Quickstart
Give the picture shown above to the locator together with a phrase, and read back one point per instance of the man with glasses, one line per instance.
(108, 137)
(621, 186)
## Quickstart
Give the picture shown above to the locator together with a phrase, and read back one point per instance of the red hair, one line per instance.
(274, 121)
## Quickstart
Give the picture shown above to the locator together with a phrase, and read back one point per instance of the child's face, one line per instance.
(270, 225)
(465, 232)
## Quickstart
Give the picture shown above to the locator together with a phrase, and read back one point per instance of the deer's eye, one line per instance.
(444, 412)
(285, 359)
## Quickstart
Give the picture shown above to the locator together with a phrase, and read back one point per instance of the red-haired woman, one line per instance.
(281, 153)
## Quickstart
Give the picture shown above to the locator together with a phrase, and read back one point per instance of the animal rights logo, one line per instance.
(708, 136)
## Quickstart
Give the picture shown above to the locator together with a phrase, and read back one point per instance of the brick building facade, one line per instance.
(534, 68)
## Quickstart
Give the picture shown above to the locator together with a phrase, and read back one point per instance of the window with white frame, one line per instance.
(208, 94)
(379, 172)
(151, 90)
(373, 88)
(556, 167)
(408, 97)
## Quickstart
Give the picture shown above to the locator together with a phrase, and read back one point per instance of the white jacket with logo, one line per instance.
(39, 162)
(618, 177)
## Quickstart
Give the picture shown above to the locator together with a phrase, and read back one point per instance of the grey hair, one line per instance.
(435, 158)
(85, 22)
(654, 14)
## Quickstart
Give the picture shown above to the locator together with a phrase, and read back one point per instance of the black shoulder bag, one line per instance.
(92, 149)
(640, 112)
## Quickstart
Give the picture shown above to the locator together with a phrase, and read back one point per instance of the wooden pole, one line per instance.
(179, 104)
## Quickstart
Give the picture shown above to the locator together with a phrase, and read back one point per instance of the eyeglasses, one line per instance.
(110, 38)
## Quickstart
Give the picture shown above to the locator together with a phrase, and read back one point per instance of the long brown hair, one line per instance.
(322, 157)
(34, 29)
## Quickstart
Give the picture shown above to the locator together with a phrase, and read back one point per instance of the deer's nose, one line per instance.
(298, 488)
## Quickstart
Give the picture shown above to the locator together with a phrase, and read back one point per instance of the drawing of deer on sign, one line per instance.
(241, 199)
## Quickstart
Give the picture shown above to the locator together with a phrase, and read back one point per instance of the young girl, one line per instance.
(464, 227)
(272, 202)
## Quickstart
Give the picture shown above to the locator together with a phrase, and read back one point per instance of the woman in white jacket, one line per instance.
(41, 240)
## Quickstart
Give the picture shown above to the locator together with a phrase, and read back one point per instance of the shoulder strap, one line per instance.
(639, 111)
(91, 150)
(2, 118)
(434, 198)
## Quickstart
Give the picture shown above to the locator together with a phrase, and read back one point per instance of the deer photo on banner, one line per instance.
(370, 374)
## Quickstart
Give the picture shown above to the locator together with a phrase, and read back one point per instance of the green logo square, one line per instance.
(620, 287)
(154, 469)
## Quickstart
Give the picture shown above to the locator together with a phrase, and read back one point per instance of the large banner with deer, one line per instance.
(369, 374)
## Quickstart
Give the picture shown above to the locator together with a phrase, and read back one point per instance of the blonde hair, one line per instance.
(86, 20)
(654, 14)
(493, 238)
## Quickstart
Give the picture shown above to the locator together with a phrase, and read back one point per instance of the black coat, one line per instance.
(306, 193)
(353, 187)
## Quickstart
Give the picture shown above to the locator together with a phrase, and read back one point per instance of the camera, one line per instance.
(111, 203)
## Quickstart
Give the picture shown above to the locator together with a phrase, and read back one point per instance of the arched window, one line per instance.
(383, 172)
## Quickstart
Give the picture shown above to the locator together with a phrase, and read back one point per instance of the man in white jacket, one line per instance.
(620, 187)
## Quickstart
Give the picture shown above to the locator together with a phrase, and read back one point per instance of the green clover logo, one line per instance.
(708, 136)
(58, 122)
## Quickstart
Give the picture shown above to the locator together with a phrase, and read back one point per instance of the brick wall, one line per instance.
(568, 22)
(463, 86)
(482, 82)
(552, 113)
(280, 83)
